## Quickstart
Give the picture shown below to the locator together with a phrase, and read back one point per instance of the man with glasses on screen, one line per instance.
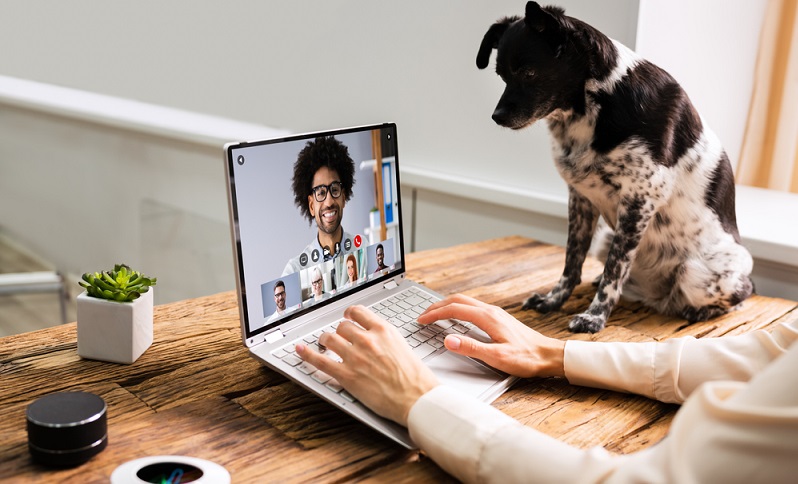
(324, 175)
(279, 301)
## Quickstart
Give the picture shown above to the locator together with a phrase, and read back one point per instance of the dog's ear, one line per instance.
(546, 24)
(491, 40)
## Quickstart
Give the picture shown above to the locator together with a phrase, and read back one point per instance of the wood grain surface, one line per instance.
(196, 392)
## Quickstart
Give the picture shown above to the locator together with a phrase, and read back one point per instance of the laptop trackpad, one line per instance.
(463, 373)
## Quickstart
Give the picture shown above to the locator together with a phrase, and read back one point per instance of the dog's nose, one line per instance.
(500, 116)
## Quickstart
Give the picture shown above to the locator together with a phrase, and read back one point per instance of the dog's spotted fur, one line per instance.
(633, 150)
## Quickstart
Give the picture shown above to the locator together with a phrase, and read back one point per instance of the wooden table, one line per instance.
(196, 392)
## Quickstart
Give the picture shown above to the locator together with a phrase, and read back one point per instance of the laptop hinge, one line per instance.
(275, 335)
(390, 284)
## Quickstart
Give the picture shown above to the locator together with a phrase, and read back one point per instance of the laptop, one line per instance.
(317, 226)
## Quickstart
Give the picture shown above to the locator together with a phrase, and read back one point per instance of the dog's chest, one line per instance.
(597, 177)
(607, 178)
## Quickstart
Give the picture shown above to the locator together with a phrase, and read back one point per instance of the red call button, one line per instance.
(358, 241)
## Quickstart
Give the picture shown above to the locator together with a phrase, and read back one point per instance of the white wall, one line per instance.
(710, 47)
(304, 66)
(87, 181)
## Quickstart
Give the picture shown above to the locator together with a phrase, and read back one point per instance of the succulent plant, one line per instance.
(121, 284)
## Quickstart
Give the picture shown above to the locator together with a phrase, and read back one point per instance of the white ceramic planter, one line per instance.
(113, 331)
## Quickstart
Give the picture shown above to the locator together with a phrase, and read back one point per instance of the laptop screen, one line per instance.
(315, 217)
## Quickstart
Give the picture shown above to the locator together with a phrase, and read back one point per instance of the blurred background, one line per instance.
(113, 116)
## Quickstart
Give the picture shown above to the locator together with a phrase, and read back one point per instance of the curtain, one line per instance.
(769, 155)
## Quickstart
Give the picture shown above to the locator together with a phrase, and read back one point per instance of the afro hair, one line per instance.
(324, 151)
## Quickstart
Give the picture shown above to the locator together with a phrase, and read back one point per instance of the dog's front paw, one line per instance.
(542, 304)
(586, 323)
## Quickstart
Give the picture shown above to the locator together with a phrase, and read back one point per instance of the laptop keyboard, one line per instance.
(401, 310)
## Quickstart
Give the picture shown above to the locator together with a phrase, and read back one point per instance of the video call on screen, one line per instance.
(311, 224)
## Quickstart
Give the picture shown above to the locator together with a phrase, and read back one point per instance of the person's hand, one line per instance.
(516, 348)
(378, 367)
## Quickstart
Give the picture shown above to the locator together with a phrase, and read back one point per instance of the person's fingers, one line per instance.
(455, 298)
(362, 316)
(348, 330)
(318, 360)
(336, 343)
(481, 317)
(449, 311)
(467, 346)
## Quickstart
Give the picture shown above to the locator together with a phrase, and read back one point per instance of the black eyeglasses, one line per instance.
(320, 191)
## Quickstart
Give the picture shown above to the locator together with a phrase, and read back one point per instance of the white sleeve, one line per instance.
(727, 431)
(730, 432)
(671, 370)
(475, 442)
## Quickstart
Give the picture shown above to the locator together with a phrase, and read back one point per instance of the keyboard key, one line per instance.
(348, 396)
(467, 324)
(334, 385)
(292, 360)
(306, 368)
(321, 377)
(478, 335)
(414, 300)
(435, 329)
(423, 350)
(420, 337)
(388, 313)
(445, 324)
(426, 333)
(279, 353)
(332, 355)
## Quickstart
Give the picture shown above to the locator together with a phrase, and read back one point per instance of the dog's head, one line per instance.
(540, 59)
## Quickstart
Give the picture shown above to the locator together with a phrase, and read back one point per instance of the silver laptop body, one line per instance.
(278, 257)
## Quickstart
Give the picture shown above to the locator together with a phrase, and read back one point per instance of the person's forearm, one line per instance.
(477, 443)
(726, 432)
(625, 367)
(553, 354)
(669, 371)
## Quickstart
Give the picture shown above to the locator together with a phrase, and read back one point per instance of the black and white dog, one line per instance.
(633, 150)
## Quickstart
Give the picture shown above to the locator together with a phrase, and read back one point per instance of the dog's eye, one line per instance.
(523, 74)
